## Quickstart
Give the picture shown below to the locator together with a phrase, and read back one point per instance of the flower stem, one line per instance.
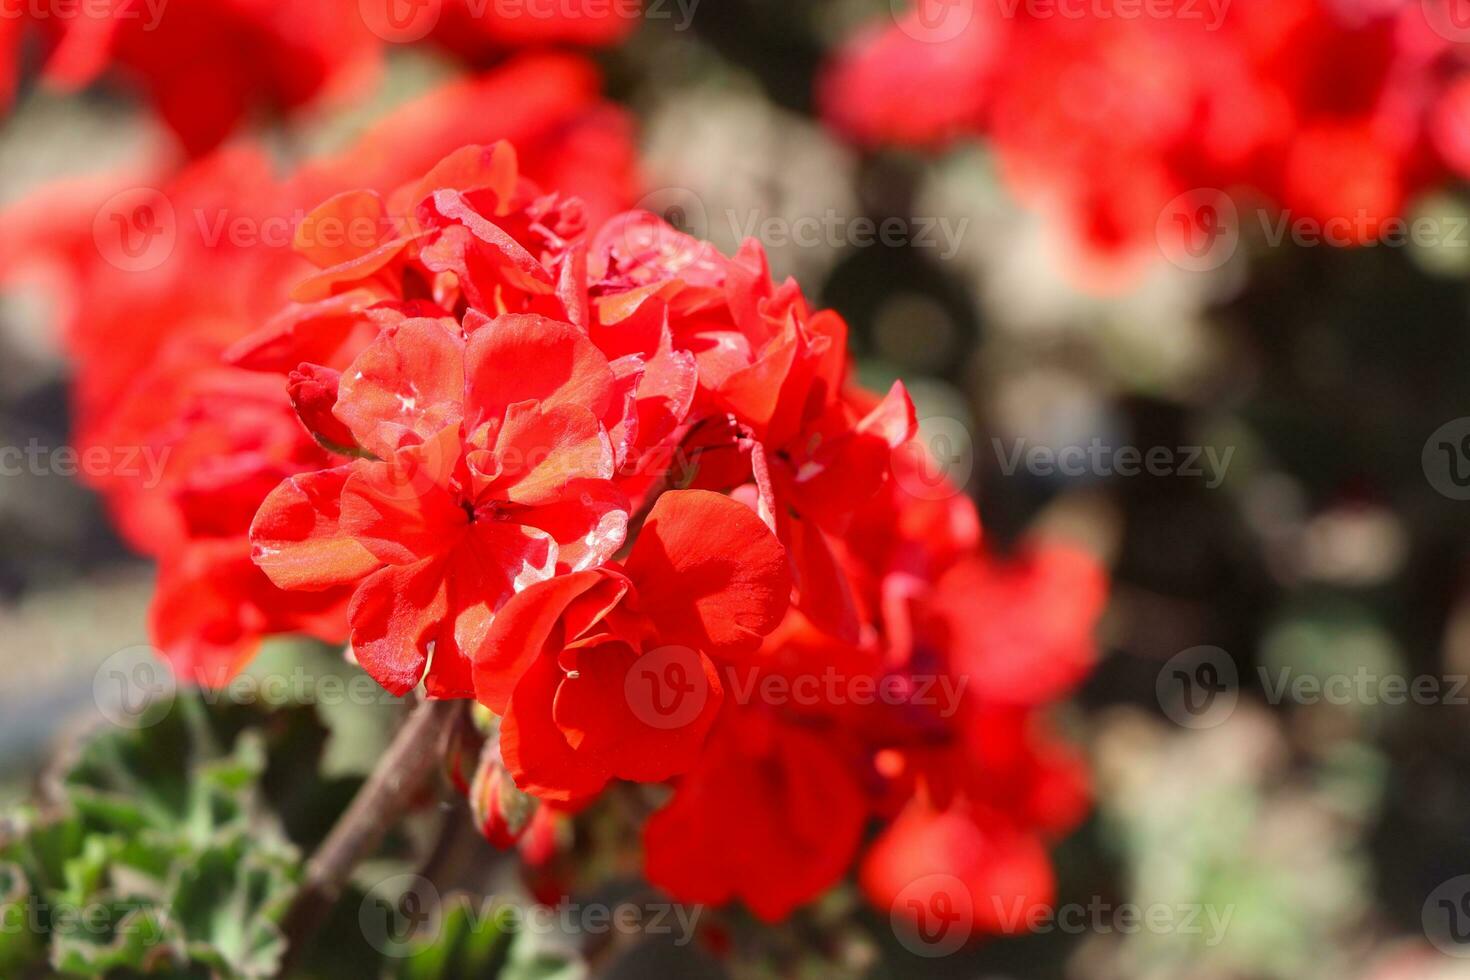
(404, 770)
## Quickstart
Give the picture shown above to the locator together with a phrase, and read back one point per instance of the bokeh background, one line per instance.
(1321, 546)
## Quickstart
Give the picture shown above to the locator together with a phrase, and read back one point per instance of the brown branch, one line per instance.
(404, 770)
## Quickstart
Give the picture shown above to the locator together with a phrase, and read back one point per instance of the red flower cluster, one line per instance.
(156, 283)
(619, 488)
(208, 65)
(1104, 112)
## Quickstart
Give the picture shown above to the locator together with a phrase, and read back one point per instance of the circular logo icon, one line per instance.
(933, 21)
(134, 688)
(938, 462)
(1446, 459)
(136, 229)
(1199, 230)
(934, 915)
(1446, 917)
(667, 688)
(401, 914)
(1199, 687)
(1450, 19)
(680, 212)
(400, 21)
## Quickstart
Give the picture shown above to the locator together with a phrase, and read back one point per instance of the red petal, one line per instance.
(396, 517)
(709, 573)
(994, 877)
(405, 387)
(772, 815)
(535, 750)
(541, 449)
(1022, 629)
(394, 615)
(493, 562)
(522, 627)
(296, 538)
(643, 717)
(589, 521)
(493, 168)
(342, 228)
(517, 358)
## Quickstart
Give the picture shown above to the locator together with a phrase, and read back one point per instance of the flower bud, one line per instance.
(501, 810)
(313, 391)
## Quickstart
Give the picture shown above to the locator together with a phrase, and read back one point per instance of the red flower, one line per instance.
(492, 471)
(150, 385)
(972, 867)
(612, 673)
(1021, 628)
(771, 816)
(1326, 111)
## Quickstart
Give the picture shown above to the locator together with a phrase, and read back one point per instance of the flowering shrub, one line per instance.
(609, 484)
(617, 487)
(1102, 114)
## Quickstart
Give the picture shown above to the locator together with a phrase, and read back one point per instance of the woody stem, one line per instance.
(405, 769)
